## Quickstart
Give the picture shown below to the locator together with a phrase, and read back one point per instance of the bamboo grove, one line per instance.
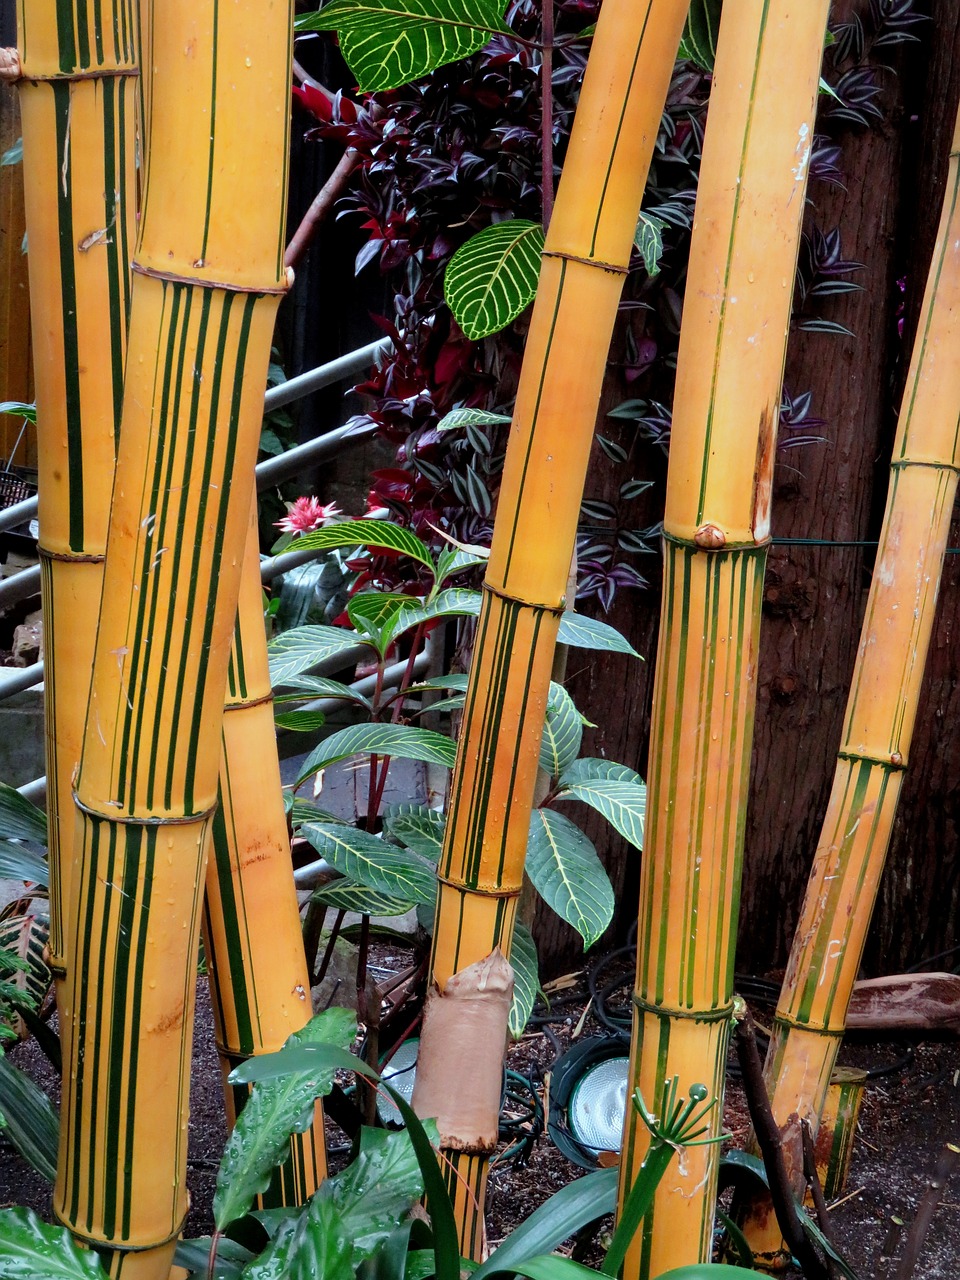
(165, 808)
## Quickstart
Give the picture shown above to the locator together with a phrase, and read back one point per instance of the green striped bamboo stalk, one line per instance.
(77, 98)
(208, 274)
(736, 314)
(259, 983)
(881, 711)
(584, 262)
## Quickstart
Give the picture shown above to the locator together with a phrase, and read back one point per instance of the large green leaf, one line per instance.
(418, 827)
(704, 1271)
(19, 819)
(699, 41)
(376, 534)
(315, 1243)
(454, 560)
(194, 1256)
(26, 936)
(593, 769)
(457, 419)
(454, 602)
(589, 633)
(347, 895)
(526, 978)
(493, 277)
(388, 43)
(374, 863)
(298, 650)
(649, 241)
(300, 721)
(567, 873)
(33, 1250)
(18, 863)
(398, 740)
(31, 1122)
(623, 804)
(562, 732)
(260, 1140)
(377, 1189)
(301, 687)
(379, 616)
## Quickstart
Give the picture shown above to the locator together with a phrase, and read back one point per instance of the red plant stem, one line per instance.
(316, 215)
(546, 93)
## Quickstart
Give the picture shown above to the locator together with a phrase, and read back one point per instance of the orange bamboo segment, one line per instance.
(585, 259)
(16, 370)
(736, 315)
(880, 716)
(208, 275)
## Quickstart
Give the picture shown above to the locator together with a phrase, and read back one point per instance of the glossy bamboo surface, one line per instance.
(717, 524)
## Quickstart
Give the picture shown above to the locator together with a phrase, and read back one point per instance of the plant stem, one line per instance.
(944, 1170)
(816, 1192)
(212, 1262)
(546, 126)
(319, 210)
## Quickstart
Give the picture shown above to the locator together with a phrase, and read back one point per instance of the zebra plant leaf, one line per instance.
(398, 740)
(454, 602)
(301, 687)
(260, 1140)
(377, 534)
(365, 860)
(592, 769)
(388, 43)
(493, 277)
(347, 895)
(34, 1250)
(417, 826)
(25, 936)
(19, 819)
(649, 242)
(31, 1124)
(562, 732)
(623, 804)
(526, 978)
(300, 721)
(567, 873)
(301, 648)
(589, 633)
(460, 418)
(699, 41)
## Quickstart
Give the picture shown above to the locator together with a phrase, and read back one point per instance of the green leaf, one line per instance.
(493, 277)
(568, 874)
(315, 1243)
(593, 769)
(377, 1190)
(32, 1124)
(19, 410)
(25, 936)
(551, 1267)
(648, 238)
(300, 721)
(194, 1256)
(562, 732)
(18, 863)
(33, 1250)
(454, 602)
(302, 811)
(704, 1271)
(19, 819)
(379, 616)
(376, 534)
(260, 1140)
(562, 1216)
(295, 651)
(418, 827)
(623, 804)
(458, 682)
(388, 43)
(699, 41)
(301, 687)
(14, 154)
(398, 740)
(588, 633)
(457, 419)
(347, 895)
(526, 978)
(453, 560)
(374, 863)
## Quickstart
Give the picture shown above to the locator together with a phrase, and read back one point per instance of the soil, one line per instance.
(908, 1114)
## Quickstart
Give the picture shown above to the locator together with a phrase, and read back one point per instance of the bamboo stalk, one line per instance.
(585, 259)
(208, 274)
(259, 983)
(880, 716)
(716, 529)
(77, 100)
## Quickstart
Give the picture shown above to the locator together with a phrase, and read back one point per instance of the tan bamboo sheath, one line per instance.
(585, 260)
(208, 274)
(716, 529)
(881, 711)
(77, 98)
(259, 983)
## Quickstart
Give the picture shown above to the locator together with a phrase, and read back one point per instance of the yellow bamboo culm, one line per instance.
(208, 275)
(717, 526)
(880, 717)
(585, 260)
(78, 104)
(259, 983)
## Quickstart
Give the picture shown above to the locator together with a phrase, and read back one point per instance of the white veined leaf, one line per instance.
(346, 895)
(567, 873)
(418, 827)
(462, 418)
(296, 651)
(17, 409)
(562, 732)
(649, 241)
(367, 533)
(451, 561)
(623, 804)
(300, 721)
(526, 978)
(493, 277)
(589, 633)
(399, 740)
(699, 41)
(593, 769)
(19, 819)
(303, 687)
(365, 860)
(453, 602)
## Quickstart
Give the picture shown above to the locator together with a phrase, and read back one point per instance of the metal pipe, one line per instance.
(19, 513)
(16, 679)
(288, 464)
(20, 586)
(35, 792)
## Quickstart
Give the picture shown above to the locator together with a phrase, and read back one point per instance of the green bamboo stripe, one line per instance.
(214, 54)
(155, 682)
(282, 221)
(933, 285)
(719, 355)
(73, 18)
(464, 1177)
(498, 748)
(54, 799)
(502, 925)
(234, 916)
(62, 94)
(237, 692)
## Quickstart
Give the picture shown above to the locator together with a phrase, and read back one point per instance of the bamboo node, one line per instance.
(10, 65)
(709, 537)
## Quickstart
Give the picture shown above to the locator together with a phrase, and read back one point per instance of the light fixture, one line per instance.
(400, 1073)
(588, 1099)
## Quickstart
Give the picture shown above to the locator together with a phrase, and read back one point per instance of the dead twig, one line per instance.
(326, 198)
(816, 1193)
(945, 1168)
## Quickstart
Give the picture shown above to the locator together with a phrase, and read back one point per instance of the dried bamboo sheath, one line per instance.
(208, 276)
(736, 315)
(586, 257)
(881, 711)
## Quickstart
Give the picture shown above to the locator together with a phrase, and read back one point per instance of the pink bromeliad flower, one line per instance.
(308, 514)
